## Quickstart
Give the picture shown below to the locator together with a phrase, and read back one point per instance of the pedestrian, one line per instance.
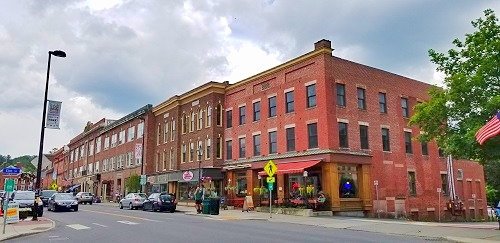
(198, 197)
(497, 213)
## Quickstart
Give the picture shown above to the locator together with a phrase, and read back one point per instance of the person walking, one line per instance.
(497, 213)
(198, 197)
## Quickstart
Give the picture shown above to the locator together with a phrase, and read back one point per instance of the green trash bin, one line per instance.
(214, 206)
(205, 206)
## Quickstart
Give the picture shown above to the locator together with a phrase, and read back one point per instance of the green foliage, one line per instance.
(491, 195)
(492, 174)
(471, 95)
(133, 183)
(25, 160)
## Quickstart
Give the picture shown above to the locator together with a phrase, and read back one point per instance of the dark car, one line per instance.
(160, 202)
(46, 194)
(26, 200)
(62, 201)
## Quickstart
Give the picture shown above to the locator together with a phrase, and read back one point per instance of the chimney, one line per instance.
(322, 44)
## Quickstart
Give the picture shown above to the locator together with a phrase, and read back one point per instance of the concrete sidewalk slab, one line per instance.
(26, 227)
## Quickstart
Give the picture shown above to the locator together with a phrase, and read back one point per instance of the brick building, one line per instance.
(103, 156)
(188, 141)
(346, 124)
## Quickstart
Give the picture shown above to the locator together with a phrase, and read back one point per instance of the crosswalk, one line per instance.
(85, 227)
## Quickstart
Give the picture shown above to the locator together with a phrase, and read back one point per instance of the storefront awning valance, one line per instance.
(293, 167)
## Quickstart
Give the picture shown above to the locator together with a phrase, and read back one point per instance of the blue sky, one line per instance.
(124, 54)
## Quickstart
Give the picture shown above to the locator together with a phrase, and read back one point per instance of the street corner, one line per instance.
(27, 227)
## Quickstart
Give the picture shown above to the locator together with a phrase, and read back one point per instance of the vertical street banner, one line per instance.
(138, 151)
(53, 114)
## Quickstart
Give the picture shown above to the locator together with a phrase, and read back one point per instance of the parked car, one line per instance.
(26, 200)
(84, 197)
(62, 201)
(160, 202)
(133, 200)
(46, 194)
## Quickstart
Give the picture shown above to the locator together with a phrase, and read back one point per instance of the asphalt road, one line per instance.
(95, 223)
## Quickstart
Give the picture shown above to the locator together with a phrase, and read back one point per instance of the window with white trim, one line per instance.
(131, 134)
(140, 130)
(208, 122)
(165, 132)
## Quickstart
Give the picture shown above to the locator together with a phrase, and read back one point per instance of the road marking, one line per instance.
(127, 222)
(100, 225)
(124, 216)
(78, 226)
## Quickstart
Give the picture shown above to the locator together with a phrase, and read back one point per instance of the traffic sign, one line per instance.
(271, 180)
(438, 189)
(11, 170)
(270, 186)
(143, 180)
(270, 168)
(9, 185)
(375, 182)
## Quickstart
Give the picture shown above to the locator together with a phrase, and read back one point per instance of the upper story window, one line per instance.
(256, 145)
(106, 142)
(273, 142)
(243, 115)
(341, 101)
(191, 151)
(165, 132)
(290, 139)
(184, 122)
(343, 137)
(219, 115)
(404, 106)
(363, 137)
(229, 150)
(386, 145)
(158, 134)
(425, 148)
(408, 147)
(382, 102)
(172, 133)
(209, 117)
(311, 96)
(113, 140)
(121, 137)
(200, 119)
(361, 98)
(256, 111)
(242, 150)
(412, 183)
(140, 130)
(208, 148)
(193, 122)
(289, 102)
(131, 134)
(272, 106)
(183, 155)
(229, 118)
(312, 134)
(98, 145)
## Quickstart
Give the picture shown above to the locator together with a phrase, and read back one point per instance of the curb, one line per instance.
(467, 240)
(31, 233)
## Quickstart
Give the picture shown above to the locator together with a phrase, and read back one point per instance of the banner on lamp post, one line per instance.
(138, 151)
(53, 114)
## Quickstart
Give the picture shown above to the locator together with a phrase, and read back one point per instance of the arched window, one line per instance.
(219, 115)
(209, 116)
(193, 121)
(200, 119)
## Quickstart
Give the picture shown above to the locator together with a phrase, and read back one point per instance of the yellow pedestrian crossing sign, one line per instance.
(270, 168)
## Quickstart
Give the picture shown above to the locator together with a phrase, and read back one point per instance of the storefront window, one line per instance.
(241, 184)
(348, 178)
(303, 187)
(186, 190)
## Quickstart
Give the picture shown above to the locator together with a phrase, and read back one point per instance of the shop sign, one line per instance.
(12, 213)
(187, 175)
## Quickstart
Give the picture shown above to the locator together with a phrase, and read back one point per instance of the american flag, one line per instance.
(491, 129)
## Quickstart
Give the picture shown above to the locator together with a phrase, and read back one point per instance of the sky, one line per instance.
(124, 54)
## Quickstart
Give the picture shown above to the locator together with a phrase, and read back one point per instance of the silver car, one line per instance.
(133, 200)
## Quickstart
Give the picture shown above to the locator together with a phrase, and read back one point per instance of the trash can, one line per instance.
(205, 206)
(214, 206)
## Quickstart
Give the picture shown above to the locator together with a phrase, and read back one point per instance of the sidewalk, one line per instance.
(25, 227)
(455, 232)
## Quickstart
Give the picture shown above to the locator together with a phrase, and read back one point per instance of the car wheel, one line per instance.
(90, 203)
(76, 209)
(143, 208)
(121, 206)
(172, 210)
(85, 203)
(48, 208)
(54, 209)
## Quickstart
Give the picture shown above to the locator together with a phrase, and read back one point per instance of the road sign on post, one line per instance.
(9, 185)
(11, 170)
(270, 168)
(271, 180)
(143, 180)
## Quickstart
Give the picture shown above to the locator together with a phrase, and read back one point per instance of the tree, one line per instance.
(471, 95)
(133, 183)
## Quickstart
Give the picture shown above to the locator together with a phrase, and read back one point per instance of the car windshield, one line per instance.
(63, 197)
(24, 195)
(166, 197)
(48, 193)
(142, 195)
(85, 194)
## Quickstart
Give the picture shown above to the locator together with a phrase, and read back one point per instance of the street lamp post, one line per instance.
(200, 153)
(56, 53)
